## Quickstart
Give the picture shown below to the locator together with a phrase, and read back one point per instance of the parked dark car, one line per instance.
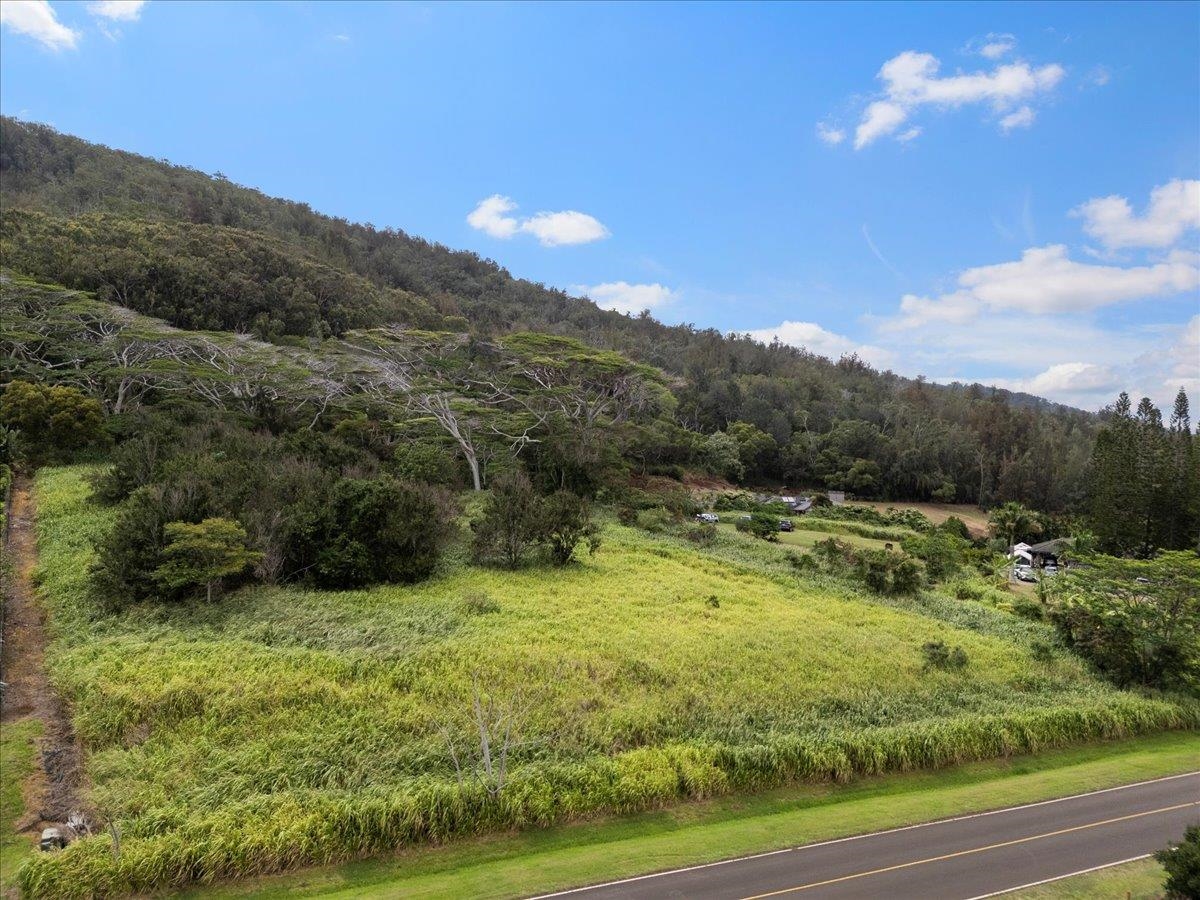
(786, 525)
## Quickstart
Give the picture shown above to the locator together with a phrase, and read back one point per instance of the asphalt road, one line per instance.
(953, 859)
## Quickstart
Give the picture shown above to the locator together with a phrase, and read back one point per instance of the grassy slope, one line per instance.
(554, 858)
(284, 726)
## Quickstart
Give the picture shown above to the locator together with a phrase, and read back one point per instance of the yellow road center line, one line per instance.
(932, 859)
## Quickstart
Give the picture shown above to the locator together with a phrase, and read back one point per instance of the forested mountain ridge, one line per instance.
(202, 252)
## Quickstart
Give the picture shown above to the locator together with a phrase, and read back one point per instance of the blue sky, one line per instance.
(996, 192)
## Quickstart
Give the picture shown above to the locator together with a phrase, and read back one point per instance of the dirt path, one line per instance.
(53, 790)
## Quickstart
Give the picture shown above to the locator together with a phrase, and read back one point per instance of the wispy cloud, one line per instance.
(552, 229)
(830, 134)
(993, 46)
(37, 19)
(1022, 118)
(110, 14)
(878, 255)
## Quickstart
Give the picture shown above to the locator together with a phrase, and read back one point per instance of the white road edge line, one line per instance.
(1021, 887)
(857, 837)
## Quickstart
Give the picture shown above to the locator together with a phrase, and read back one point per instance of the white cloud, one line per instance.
(1174, 209)
(37, 19)
(812, 337)
(829, 134)
(909, 134)
(881, 118)
(552, 229)
(625, 297)
(1045, 281)
(489, 217)
(1168, 359)
(995, 46)
(1183, 361)
(1073, 377)
(911, 80)
(1022, 118)
(1029, 324)
(117, 10)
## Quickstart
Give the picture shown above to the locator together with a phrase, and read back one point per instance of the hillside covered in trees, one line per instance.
(203, 253)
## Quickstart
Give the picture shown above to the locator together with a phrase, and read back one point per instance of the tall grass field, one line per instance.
(281, 727)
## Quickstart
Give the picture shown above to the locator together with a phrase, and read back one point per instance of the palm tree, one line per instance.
(1011, 519)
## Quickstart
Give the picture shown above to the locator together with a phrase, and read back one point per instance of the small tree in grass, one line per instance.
(516, 520)
(511, 523)
(203, 554)
(1182, 862)
(566, 522)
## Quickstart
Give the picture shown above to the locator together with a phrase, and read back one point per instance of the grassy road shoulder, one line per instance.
(554, 858)
(1139, 880)
(17, 749)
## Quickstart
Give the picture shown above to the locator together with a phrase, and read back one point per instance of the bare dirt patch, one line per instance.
(52, 792)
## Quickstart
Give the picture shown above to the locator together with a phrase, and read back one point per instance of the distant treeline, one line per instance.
(200, 251)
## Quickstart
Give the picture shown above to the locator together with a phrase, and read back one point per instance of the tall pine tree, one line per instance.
(1184, 524)
(1114, 471)
(1145, 484)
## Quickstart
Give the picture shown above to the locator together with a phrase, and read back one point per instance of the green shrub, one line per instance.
(516, 520)
(802, 562)
(966, 591)
(939, 656)
(957, 527)
(52, 423)
(128, 555)
(478, 603)
(655, 521)
(1027, 608)
(510, 525)
(566, 522)
(1182, 863)
(762, 525)
(382, 530)
(1041, 651)
(888, 572)
(134, 464)
(425, 463)
(941, 552)
(1136, 621)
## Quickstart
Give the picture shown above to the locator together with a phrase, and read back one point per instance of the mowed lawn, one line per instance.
(283, 726)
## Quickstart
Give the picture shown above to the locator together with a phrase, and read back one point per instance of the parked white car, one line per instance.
(708, 518)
